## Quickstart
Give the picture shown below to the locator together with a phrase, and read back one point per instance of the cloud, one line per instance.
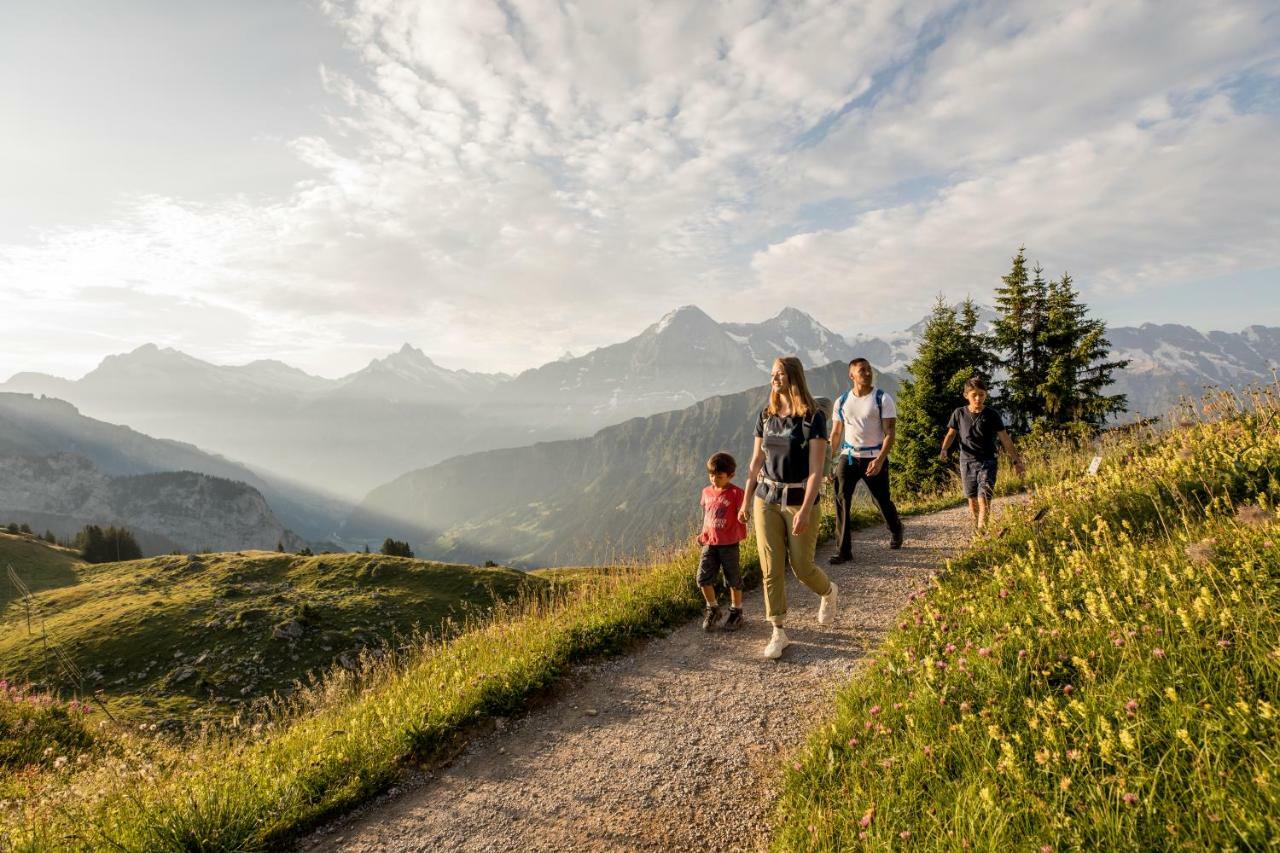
(507, 180)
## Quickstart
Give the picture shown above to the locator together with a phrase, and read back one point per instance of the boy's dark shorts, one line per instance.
(978, 477)
(717, 558)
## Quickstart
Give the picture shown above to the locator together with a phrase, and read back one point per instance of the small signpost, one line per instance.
(1094, 465)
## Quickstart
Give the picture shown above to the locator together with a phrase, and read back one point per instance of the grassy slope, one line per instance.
(41, 566)
(166, 638)
(1104, 676)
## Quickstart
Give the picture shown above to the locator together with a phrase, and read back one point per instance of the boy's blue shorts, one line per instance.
(978, 477)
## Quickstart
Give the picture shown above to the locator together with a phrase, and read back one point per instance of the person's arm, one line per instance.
(946, 442)
(817, 455)
(1014, 455)
(753, 479)
(890, 430)
(837, 441)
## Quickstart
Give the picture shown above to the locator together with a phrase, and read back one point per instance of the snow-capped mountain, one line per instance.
(792, 332)
(410, 375)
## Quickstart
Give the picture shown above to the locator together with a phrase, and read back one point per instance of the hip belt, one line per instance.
(850, 450)
(786, 488)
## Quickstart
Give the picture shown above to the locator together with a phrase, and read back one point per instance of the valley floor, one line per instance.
(674, 746)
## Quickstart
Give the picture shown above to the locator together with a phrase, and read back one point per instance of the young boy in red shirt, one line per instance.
(721, 533)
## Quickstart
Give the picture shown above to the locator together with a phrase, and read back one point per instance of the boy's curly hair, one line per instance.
(722, 463)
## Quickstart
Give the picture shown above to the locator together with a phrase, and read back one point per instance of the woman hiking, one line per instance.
(782, 490)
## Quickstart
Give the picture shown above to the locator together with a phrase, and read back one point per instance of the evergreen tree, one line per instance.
(1013, 335)
(24, 528)
(395, 548)
(1079, 367)
(951, 351)
(50, 538)
(106, 546)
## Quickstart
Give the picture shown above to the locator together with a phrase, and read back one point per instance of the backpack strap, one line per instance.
(880, 403)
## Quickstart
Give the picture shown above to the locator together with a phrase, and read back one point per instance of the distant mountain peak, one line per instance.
(686, 316)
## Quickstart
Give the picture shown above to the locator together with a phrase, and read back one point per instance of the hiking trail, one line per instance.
(676, 745)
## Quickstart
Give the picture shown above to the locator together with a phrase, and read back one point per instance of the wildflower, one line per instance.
(795, 766)
(984, 652)
(928, 751)
(1064, 783)
(1073, 754)
(1252, 515)
(1131, 707)
(60, 762)
(1022, 653)
(1200, 552)
(1045, 848)
(1222, 644)
(905, 834)
(1004, 592)
(866, 818)
(941, 664)
(1042, 756)
(875, 709)
(1157, 653)
(853, 741)
(1067, 690)
(964, 707)
(951, 647)
(1129, 799)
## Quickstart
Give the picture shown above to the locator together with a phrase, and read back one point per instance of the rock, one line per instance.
(290, 630)
(179, 675)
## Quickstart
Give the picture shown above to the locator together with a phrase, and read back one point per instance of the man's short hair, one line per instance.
(975, 384)
(722, 463)
(859, 360)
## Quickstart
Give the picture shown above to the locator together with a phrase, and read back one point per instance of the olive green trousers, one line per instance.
(778, 545)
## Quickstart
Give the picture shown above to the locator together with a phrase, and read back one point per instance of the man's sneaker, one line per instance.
(733, 621)
(827, 608)
(896, 541)
(777, 643)
(711, 618)
(838, 560)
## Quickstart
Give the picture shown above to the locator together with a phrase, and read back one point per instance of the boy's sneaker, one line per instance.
(733, 621)
(827, 607)
(711, 618)
(896, 541)
(777, 643)
(838, 560)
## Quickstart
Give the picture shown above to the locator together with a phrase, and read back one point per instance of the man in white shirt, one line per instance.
(861, 436)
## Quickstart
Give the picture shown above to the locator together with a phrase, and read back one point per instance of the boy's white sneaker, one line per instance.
(777, 643)
(827, 606)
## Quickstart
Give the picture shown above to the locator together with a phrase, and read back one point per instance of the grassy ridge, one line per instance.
(1105, 675)
(180, 639)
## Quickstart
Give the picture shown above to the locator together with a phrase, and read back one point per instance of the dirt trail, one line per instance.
(674, 746)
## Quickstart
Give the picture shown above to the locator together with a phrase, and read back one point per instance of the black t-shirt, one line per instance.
(977, 431)
(786, 454)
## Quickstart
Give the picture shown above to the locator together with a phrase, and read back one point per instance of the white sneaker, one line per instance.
(827, 607)
(777, 643)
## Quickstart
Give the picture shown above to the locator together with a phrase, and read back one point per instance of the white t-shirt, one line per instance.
(863, 431)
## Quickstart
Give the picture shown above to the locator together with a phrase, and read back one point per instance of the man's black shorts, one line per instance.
(717, 558)
(978, 477)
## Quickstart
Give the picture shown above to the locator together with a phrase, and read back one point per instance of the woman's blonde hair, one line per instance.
(799, 400)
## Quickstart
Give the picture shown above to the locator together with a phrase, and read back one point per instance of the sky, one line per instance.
(319, 181)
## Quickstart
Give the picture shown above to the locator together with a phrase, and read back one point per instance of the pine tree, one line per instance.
(394, 548)
(1012, 335)
(1079, 364)
(107, 546)
(50, 538)
(951, 351)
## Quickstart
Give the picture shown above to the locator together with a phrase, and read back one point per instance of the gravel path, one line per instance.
(676, 745)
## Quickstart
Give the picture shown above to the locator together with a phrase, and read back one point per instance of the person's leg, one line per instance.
(846, 482)
(708, 566)
(981, 512)
(801, 548)
(731, 565)
(771, 541)
(969, 483)
(878, 486)
(735, 597)
(986, 489)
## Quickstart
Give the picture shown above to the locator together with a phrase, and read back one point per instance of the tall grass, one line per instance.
(1104, 675)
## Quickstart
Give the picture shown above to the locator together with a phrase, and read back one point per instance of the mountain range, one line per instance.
(403, 411)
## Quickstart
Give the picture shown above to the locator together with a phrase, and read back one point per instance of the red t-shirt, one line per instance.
(720, 525)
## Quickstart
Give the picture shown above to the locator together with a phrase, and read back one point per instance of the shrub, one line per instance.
(105, 546)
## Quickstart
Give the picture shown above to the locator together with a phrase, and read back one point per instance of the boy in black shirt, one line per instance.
(978, 429)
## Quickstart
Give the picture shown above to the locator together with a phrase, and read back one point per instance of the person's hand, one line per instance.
(800, 522)
(831, 477)
(1019, 467)
(743, 514)
(875, 466)
(942, 455)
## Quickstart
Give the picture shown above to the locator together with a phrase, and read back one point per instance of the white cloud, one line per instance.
(510, 180)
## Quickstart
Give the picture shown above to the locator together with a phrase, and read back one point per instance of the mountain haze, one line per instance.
(583, 500)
